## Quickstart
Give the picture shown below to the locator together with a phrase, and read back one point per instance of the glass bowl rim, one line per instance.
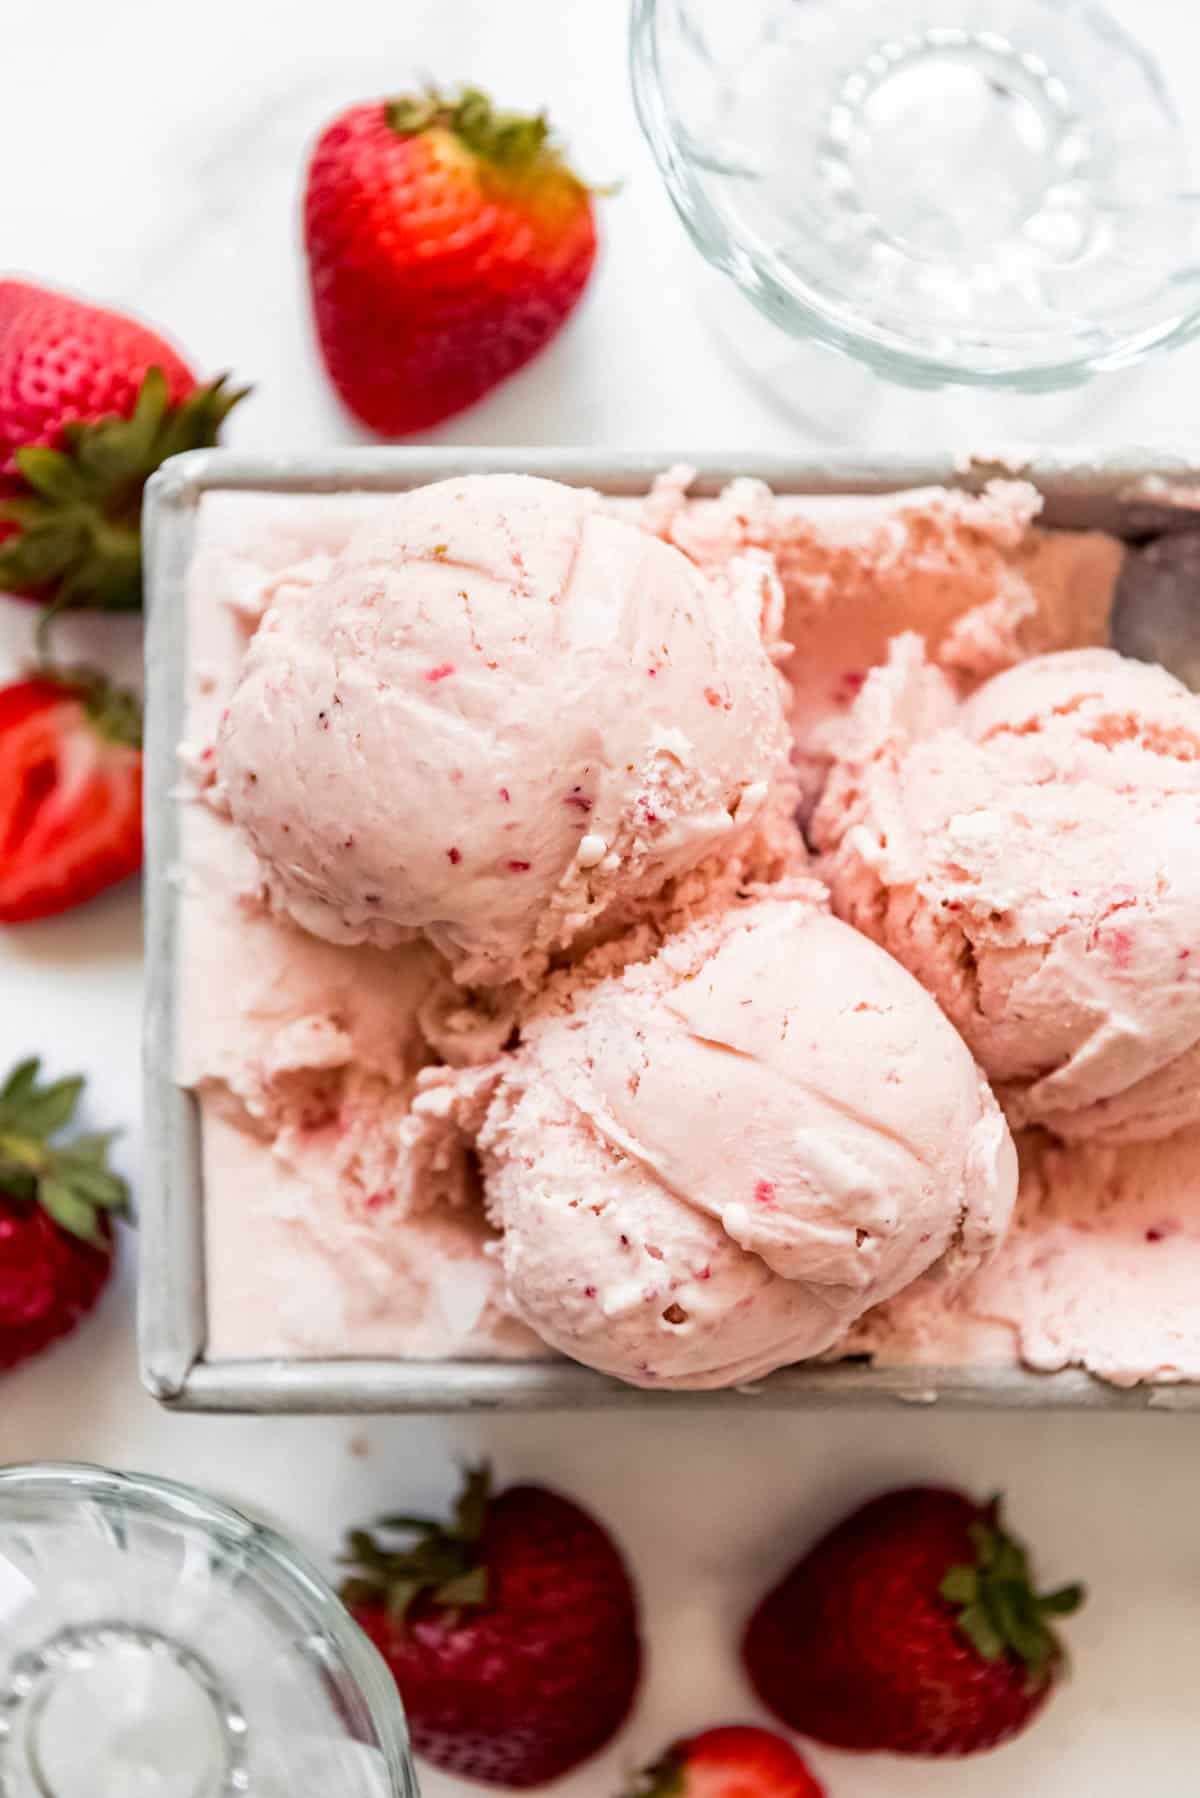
(804, 314)
(171, 1501)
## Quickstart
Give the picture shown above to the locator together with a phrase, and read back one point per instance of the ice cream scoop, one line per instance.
(708, 1166)
(500, 718)
(1033, 857)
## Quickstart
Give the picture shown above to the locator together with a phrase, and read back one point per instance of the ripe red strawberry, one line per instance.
(447, 243)
(55, 1207)
(912, 1627)
(70, 792)
(512, 1634)
(90, 403)
(739, 1761)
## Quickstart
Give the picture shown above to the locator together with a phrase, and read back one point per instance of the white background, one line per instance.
(152, 155)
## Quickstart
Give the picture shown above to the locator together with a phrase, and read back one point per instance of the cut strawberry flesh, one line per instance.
(70, 804)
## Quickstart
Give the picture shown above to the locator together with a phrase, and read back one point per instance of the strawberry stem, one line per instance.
(443, 1564)
(508, 140)
(997, 1607)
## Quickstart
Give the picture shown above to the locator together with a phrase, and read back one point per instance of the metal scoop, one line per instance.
(1156, 610)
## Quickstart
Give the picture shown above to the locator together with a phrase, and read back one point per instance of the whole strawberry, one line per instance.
(91, 403)
(912, 1627)
(447, 243)
(737, 1761)
(55, 1209)
(70, 791)
(512, 1633)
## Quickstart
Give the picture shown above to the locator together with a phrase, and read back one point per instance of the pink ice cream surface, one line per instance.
(1100, 1269)
(973, 573)
(709, 1166)
(1103, 1263)
(1033, 857)
(327, 1232)
(499, 716)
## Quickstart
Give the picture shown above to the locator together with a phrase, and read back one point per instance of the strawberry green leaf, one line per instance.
(997, 1606)
(443, 1564)
(981, 1632)
(43, 1111)
(470, 1513)
(149, 411)
(21, 1081)
(50, 474)
(93, 1185)
(70, 1212)
(79, 516)
(521, 143)
(357, 1592)
(26, 509)
(36, 557)
(960, 1586)
(468, 1589)
(91, 1149)
(1064, 1602)
(72, 1184)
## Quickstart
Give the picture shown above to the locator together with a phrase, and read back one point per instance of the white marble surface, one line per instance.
(152, 155)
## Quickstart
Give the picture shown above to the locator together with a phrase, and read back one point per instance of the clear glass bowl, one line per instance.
(995, 193)
(155, 1644)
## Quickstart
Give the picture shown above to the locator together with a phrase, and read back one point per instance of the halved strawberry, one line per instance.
(70, 792)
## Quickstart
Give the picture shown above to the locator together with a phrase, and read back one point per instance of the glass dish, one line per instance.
(155, 1644)
(992, 193)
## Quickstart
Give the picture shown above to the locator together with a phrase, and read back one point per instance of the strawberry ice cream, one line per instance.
(502, 719)
(324, 1233)
(778, 1122)
(708, 1166)
(1100, 1270)
(974, 573)
(1033, 857)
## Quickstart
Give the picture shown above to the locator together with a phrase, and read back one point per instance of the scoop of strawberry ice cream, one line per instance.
(500, 718)
(1033, 857)
(708, 1166)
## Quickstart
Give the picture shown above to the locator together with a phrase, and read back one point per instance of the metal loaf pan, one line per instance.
(1134, 494)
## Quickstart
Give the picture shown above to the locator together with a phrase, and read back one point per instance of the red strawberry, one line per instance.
(913, 1627)
(90, 404)
(55, 1206)
(512, 1634)
(447, 243)
(70, 792)
(736, 1762)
